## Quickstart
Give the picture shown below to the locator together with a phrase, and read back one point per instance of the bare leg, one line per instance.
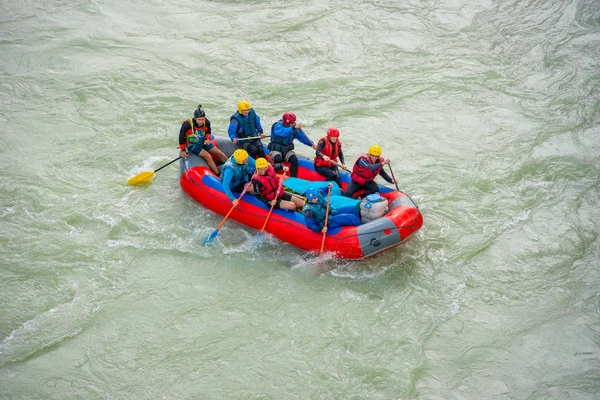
(211, 164)
(298, 202)
(287, 205)
(218, 153)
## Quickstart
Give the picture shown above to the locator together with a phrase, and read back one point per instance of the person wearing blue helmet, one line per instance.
(316, 207)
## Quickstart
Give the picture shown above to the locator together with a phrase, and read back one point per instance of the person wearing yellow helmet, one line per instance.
(365, 170)
(195, 137)
(269, 189)
(283, 133)
(237, 172)
(244, 124)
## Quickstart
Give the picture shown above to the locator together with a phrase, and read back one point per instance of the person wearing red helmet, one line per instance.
(329, 150)
(283, 133)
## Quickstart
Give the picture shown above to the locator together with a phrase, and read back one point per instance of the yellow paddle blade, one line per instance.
(140, 179)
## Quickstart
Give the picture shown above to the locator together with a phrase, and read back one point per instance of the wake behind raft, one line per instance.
(402, 219)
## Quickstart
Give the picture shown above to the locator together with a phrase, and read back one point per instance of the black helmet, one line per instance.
(199, 112)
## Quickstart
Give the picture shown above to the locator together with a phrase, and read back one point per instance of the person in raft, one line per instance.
(316, 208)
(283, 133)
(268, 187)
(329, 149)
(237, 172)
(194, 137)
(365, 169)
(244, 124)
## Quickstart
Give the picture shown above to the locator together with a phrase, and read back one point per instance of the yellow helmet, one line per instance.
(375, 150)
(243, 106)
(261, 163)
(240, 156)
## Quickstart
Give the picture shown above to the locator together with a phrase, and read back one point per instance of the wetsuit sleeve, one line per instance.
(372, 167)
(251, 165)
(341, 156)
(385, 176)
(226, 182)
(320, 148)
(208, 134)
(259, 127)
(184, 128)
(301, 136)
(232, 130)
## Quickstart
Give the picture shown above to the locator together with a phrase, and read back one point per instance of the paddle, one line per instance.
(145, 177)
(393, 177)
(213, 235)
(326, 215)
(281, 178)
(338, 165)
(252, 138)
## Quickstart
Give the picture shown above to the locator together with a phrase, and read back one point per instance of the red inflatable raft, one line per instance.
(350, 242)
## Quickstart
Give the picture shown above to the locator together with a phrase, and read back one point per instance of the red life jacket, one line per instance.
(362, 175)
(269, 184)
(190, 133)
(330, 151)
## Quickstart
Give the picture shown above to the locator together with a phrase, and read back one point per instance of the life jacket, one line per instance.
(330, 151)
(269, 184)
(193, 136)
(246, 125)
(282, 144)
(363, 175)
(240, 171)
(318, 210)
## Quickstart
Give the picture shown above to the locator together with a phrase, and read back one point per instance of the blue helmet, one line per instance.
(311, 194)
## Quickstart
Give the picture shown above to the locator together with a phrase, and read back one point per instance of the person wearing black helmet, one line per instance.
(194, 137)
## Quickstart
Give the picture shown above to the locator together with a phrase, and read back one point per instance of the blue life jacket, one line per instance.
(241, 172)
(246, 125)
(282, 143)
(317, 210)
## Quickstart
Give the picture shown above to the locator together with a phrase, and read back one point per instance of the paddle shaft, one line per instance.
(326, 216)
(232, 207)
(252, 138)
(281, 178)
(393, 177)
(167, 164)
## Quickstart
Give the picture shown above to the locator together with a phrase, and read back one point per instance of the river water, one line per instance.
(490, 112)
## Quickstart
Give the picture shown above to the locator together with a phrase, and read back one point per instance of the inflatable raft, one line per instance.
(402, 219)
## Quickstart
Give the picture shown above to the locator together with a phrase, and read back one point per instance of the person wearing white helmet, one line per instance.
(365, 170)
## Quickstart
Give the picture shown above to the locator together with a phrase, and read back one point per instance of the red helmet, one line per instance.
(333, 132)
(288, 118)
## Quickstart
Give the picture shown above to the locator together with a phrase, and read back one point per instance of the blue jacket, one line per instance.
(282, 137)
(314, 213)
(235, 174)
(242, 127)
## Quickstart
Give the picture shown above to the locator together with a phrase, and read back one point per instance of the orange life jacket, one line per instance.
(362, 175)
(269, 184)
(330, 151)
